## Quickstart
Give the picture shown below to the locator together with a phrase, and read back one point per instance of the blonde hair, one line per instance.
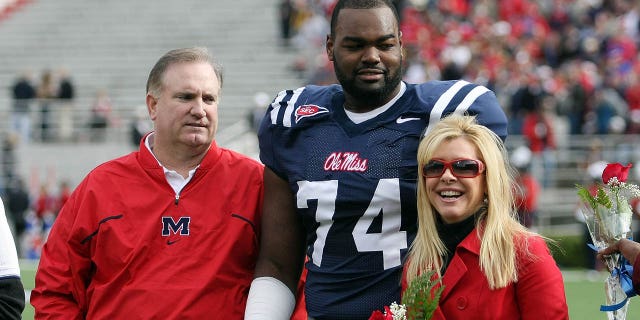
(497, 226)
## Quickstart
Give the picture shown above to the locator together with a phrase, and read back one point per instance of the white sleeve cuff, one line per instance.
(269, 299)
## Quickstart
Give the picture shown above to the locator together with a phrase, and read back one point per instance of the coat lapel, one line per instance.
(457, 268)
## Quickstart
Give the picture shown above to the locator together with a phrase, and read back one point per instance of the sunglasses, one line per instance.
(461, 168)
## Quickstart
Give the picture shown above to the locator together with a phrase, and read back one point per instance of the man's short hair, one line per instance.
(194, 54)
(360, 4)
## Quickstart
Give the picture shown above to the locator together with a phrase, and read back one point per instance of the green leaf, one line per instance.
(584, 194)
(603, 199)
(419, 299)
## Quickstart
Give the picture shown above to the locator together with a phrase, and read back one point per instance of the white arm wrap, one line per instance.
(269, 299)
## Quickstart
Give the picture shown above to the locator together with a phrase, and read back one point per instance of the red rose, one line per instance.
(377, 315)
(615, 170)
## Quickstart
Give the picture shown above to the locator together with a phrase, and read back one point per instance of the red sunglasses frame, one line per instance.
(448, 165)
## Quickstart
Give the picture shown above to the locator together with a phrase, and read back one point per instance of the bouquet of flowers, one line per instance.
(419, 301)
(608, 214)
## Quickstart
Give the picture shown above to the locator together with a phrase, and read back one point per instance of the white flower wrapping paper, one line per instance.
(606, 226)
(608, 214)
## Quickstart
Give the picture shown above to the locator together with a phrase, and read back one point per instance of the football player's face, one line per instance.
(366, 51)
(185, 112)
(454, 198)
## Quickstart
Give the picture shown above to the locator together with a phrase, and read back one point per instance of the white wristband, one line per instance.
(269, 299)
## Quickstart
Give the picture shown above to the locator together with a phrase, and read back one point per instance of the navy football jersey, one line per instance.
(355, 184)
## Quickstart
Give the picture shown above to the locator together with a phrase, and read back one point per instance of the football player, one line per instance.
(341, 168)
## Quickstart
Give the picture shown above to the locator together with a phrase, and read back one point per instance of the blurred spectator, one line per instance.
(261, 102)
(524, 101)
(632, 96)
(63, 195)
(18, 203)
(32, 239)
(65, 95)
(46, 92)
(66, 89)
(595, 154)
(415, 70)
(456, 55)
(100, 116)
(285, 14)
(311, 32)
(323, 73)
(23, 92)
(9, 163)
(45, 208)
(526, 188)
(140, 125)
(609, 110)
(538, 131)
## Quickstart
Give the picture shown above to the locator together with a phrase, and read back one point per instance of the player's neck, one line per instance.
(356, 105)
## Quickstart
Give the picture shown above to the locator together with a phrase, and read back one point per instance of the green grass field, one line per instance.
(584, 294)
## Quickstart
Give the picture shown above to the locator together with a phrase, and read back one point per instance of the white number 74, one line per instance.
(386, 200)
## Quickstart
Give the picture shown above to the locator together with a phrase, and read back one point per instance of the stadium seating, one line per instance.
(112, 45)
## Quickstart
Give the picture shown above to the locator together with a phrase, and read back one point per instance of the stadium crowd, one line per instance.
(557, 66)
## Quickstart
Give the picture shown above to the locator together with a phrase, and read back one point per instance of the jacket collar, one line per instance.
(150, 164)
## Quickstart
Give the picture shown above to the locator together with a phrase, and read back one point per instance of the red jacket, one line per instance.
(538, 131)
(526, 198)
(125, 246)
(538, 294)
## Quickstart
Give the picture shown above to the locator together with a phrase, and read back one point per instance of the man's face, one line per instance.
(366, 51)
(185, 112)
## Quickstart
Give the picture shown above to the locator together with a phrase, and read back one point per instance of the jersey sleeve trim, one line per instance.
(442, 102)
(286, 99)
(470, 98)
(459, 98)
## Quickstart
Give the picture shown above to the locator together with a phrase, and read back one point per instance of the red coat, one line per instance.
(538, 294)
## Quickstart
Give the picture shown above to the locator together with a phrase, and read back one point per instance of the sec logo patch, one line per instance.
(309, 110)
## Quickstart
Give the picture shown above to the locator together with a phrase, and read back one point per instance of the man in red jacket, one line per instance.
(166, 232)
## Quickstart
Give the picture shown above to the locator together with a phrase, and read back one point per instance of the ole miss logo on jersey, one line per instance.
(346, 161)
(309, 110)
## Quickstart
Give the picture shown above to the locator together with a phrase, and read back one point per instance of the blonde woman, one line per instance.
(490, 265)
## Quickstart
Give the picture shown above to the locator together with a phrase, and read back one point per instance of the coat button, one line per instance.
(461, 303)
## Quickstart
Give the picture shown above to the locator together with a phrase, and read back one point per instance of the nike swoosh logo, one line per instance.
(403, 120)
(170, 242)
